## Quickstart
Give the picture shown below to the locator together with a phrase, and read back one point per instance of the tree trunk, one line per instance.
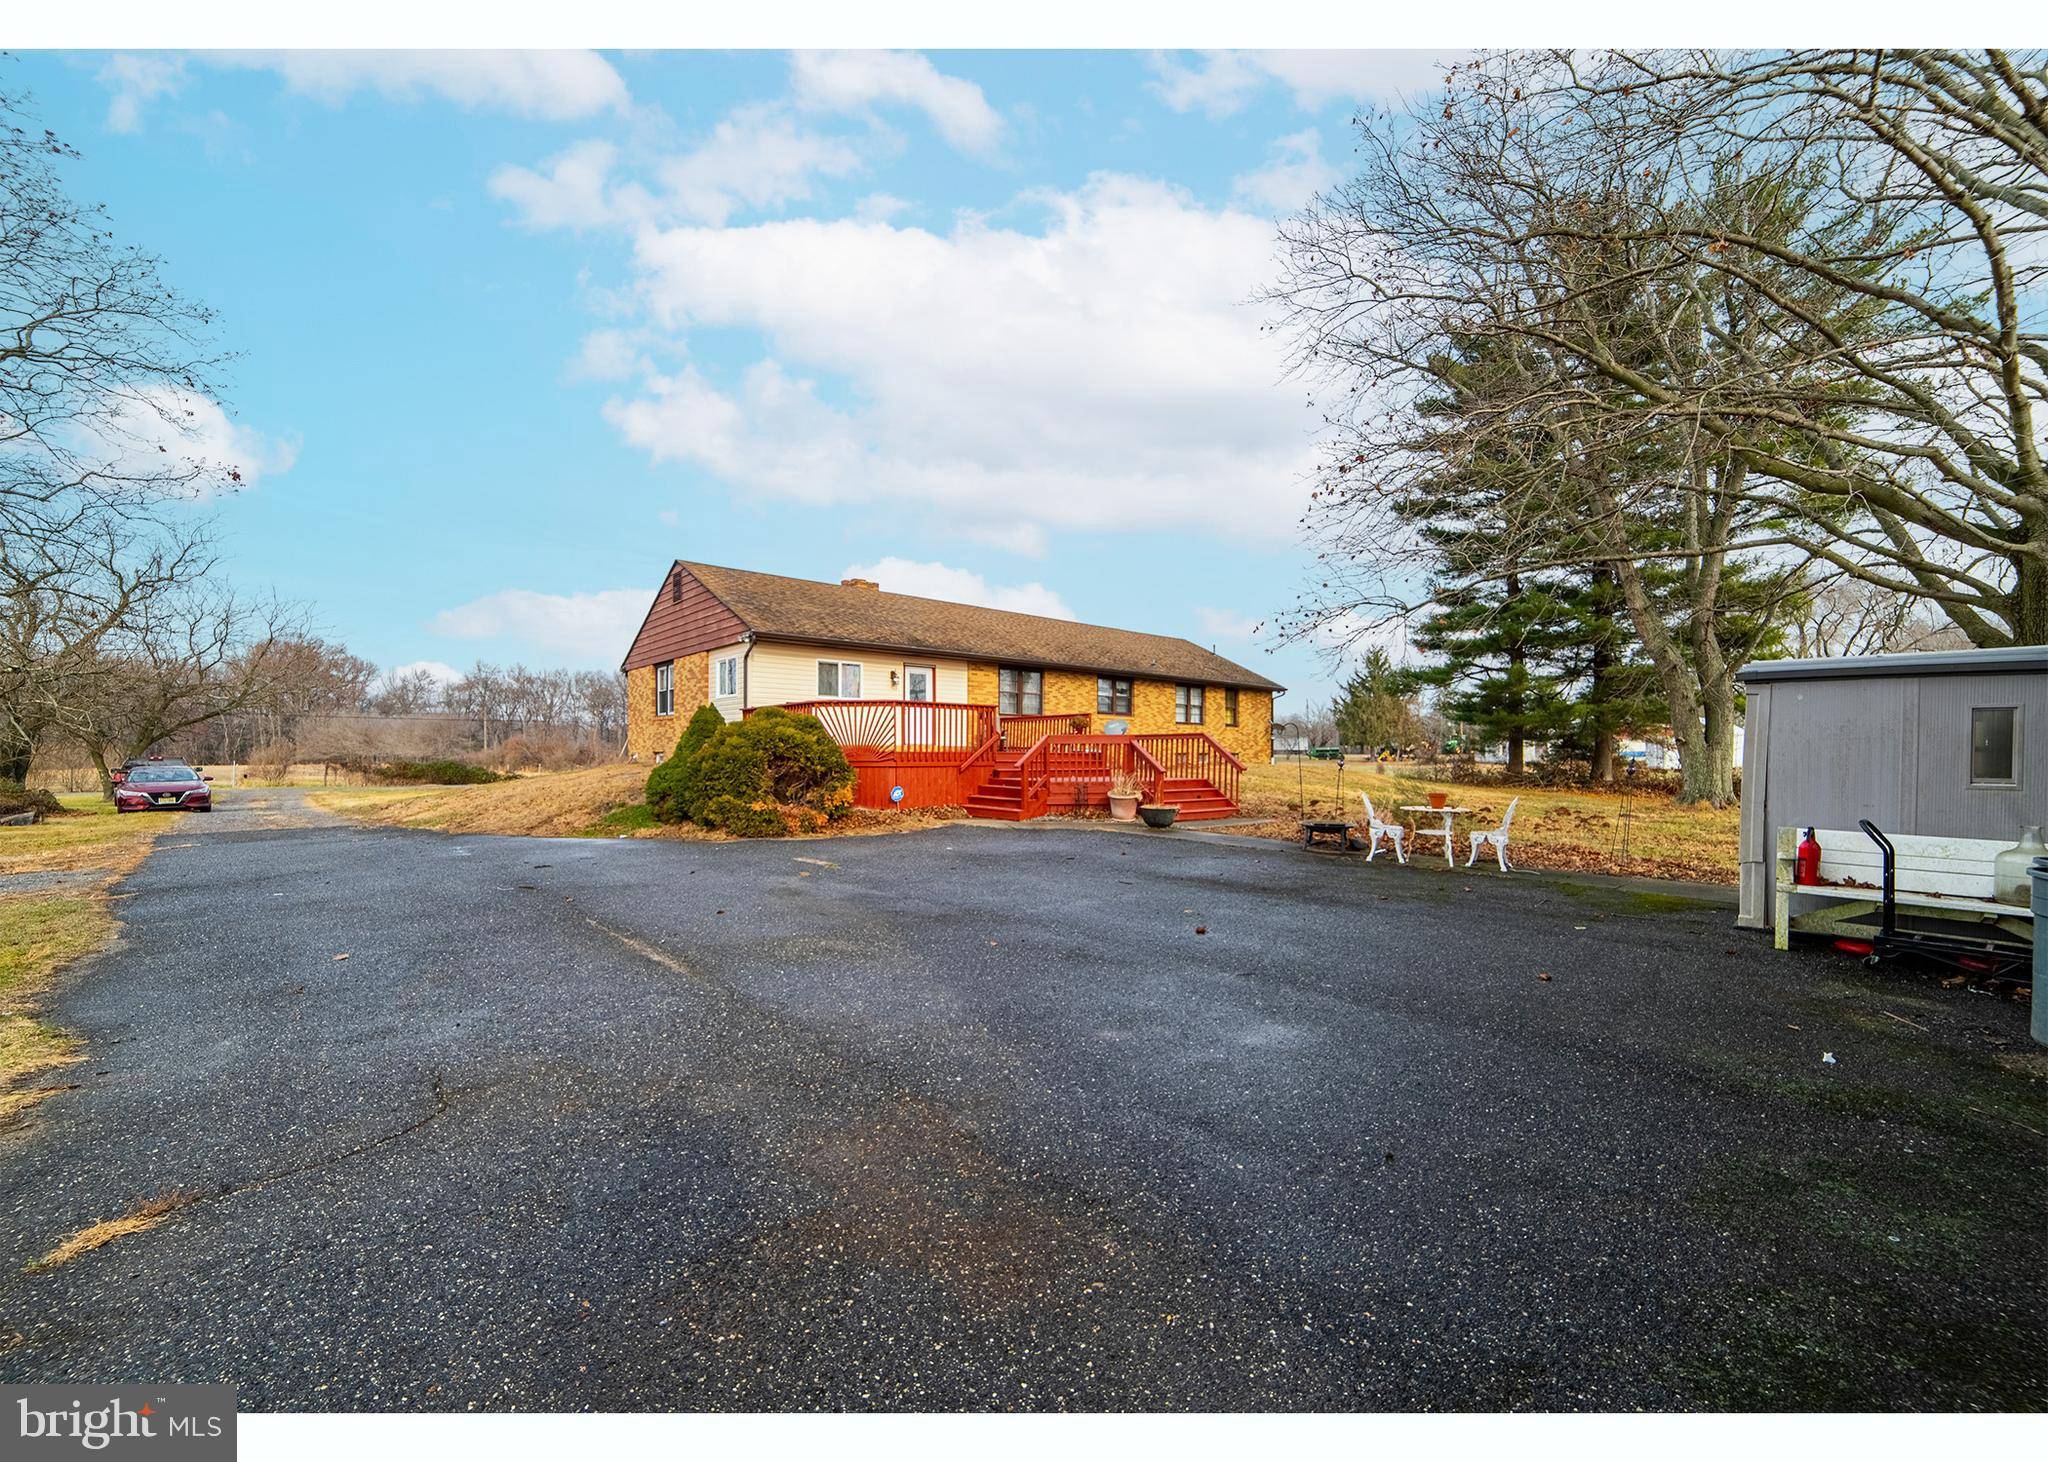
(1602, 682)
(1517, 701)
(16, 751)
(2030, 594)
(98, 754)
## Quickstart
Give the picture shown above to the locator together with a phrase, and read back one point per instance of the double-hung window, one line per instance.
(729, 676)
(1187, 704)
(1230, 705)
(839, 679)
(1994, 746)
(665, 688)
(1112, 697)
(1020, 692)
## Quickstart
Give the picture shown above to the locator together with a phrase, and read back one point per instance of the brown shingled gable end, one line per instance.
(775, 607)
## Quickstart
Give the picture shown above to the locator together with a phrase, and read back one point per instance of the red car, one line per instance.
(166, 784)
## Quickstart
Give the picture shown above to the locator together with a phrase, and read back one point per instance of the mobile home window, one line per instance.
(1229, 707)
(1994, 746)
(1020, 692)
(665, 688)
(840, 679)
(729, 675)
(1112, 697)
(1187, 704)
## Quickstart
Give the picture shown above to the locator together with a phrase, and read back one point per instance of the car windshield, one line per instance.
(162, 771)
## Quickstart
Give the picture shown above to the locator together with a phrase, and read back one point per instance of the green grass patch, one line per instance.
(632, 818)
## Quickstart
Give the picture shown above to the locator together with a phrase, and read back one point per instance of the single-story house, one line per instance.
(938, 702)
(1949, 745)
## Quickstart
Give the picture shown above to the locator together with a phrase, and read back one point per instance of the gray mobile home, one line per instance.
(1946, 744)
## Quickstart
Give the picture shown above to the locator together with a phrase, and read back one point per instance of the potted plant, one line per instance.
(1159, 814)
(1124, 792)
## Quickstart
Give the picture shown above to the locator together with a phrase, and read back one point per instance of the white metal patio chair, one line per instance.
(1393, 832)
(1498, 837)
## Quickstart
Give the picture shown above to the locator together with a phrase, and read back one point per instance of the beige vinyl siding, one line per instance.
(781, 673)
(729, 706)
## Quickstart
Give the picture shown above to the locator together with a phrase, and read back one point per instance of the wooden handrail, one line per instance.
(1157, 780)
(1032, 773)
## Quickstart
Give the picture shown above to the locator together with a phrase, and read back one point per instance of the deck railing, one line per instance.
(1019, 732)
(953, 728)
(1193, 754)
(942, 751)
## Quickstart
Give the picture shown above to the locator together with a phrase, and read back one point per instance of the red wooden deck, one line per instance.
(949, 754)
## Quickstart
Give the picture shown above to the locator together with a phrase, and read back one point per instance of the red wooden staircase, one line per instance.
(1064, 773)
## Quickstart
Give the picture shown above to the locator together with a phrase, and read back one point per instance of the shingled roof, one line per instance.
(776, 607)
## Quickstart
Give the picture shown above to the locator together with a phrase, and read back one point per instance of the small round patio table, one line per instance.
(1445, 832)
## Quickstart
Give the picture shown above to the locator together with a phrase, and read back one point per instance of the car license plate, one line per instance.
(167, 796)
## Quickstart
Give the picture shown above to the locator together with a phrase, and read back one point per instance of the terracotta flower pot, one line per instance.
(1439, 799)
(1123, 809)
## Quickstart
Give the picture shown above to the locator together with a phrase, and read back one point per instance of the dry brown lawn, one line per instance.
(43, 931)
(1577, 831)
(87, 837)
(547, 804)
(602, 801)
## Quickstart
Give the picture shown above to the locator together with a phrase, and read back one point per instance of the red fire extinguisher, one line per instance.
(1809, 860)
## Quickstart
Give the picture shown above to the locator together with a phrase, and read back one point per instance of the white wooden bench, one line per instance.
(1947, 878)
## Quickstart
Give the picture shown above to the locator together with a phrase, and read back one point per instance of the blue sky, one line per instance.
(515, 330)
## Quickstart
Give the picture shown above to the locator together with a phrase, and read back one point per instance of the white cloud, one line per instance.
(554, 85)
(442, 674)
(759, 157)
(1221, 83)
(854, 81)
(608, 355)
(571, 193)
(157, 430)
(1102, 373)
(1296, 172)
(1226, 624)
(961, 586)
(135, 81)
(881, 207)
(591, 626)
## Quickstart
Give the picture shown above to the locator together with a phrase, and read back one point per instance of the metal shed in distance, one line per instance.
(1945, 744)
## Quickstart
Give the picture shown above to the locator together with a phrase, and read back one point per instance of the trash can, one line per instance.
(2040, 1022)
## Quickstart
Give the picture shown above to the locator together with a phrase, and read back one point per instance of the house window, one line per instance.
(839, 679)
(729, 675)
(1994, 746)
(1112, 697)
(1230, 706)
(665, 688)
(1187, 704)
(1020, 692)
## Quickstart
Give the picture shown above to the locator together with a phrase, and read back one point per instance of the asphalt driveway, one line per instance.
(982, 1117)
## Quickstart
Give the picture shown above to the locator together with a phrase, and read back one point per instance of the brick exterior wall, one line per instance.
(649, 735)
(1068, 692)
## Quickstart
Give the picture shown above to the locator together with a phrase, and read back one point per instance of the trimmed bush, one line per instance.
(664, 783)
(744, 819)
(442, 773)
(767, 775)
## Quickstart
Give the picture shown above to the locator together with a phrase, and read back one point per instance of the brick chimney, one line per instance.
(860, 584)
